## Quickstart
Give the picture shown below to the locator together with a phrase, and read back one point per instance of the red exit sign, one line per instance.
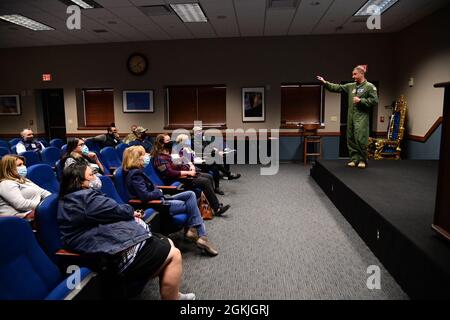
(46, 77)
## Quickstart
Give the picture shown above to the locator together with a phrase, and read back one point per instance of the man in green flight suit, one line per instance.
(362, 97)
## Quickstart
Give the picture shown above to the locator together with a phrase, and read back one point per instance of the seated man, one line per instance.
(110, 139)
(142, 139)
(131, 136)
(28, 142)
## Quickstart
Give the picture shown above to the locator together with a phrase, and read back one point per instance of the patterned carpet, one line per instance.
(282, 239)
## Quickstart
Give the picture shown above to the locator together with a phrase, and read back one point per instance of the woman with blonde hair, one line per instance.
(18, 195)
(140, 187)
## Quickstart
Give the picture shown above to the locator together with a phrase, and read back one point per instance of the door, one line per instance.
(343, 149)
(54, 114)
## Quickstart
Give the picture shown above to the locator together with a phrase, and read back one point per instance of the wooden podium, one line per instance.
(441, 221)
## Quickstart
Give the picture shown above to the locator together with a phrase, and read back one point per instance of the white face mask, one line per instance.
(95, 184)
(146, 160)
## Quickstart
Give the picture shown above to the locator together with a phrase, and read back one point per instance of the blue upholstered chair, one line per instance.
(13, 141)
(120, 148)
(57, 143)
(92, 145)
(44, 142)
(110, 191)
(112, 285)
(390, 148)
(44, 176)
(110, 159)
(26, 273)
(4, 151)
(4, 144)
(63, 149)
(31, 157)
(50, 155)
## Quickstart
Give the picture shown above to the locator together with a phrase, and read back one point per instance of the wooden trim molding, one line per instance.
(154, 134)
(220, 126)
(428, 134)
(17, 135)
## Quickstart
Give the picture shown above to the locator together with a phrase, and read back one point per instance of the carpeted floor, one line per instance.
(282, 239)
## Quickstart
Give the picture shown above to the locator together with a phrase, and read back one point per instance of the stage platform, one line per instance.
(391, 206)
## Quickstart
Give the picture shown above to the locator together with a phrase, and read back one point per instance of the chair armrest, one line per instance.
(152, 218)
(63, 252)
(62, 292)
(152, 202)
(171, 189)
(158, 205)
(166, 187)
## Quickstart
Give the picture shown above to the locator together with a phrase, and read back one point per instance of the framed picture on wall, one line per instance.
(10, 105)
(253, 104)
(138, 101)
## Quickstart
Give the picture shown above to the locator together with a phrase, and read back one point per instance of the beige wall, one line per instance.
(237, 62)
(423, 52)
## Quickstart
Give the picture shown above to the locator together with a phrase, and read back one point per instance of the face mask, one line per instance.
(146, 160)
(95, 184)
(22, 171)
(85, 150)
(168, 145)
(188, 143)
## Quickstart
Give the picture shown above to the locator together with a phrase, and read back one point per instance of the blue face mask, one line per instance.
(188, 143)
(22, 171)
(85, 150)
(146, 160)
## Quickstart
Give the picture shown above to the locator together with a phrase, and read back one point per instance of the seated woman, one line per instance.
(77, 151)
(140, 187)
(18, 195)
(200, 143)
(171, 172)
(187, 156)
(91, 223)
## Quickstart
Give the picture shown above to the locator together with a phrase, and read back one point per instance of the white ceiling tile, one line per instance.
(147, 2)
(307, 16)
(250, 15)
(201, 30)
(100, 14)
(226, 18)
(128, 12)
(278, 21)
(152, 30)
(114, 3)
(221, 16)
(173, 26)
(337, 15)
